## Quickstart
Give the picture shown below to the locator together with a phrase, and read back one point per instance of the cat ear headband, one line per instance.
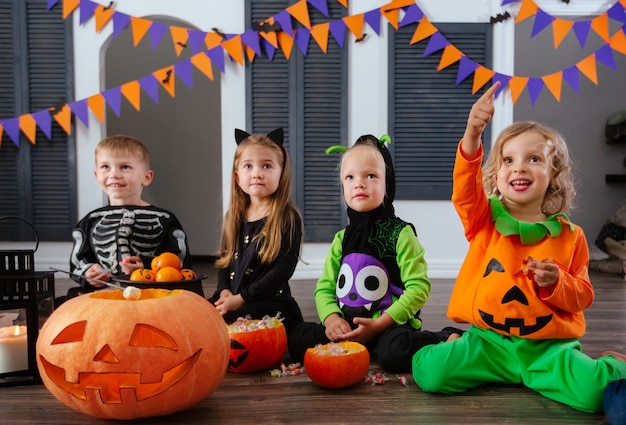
(277, 136)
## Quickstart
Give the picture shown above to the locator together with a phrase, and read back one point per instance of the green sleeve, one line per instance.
(325, 297)
(414, 274)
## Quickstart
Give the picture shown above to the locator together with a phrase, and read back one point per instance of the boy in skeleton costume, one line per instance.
(129, 232)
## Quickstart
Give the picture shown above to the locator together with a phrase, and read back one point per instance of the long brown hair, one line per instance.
(282, 217)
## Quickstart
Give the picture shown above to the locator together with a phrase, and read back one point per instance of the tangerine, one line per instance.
(142, 275)
(168, 274)
(188, 274)
(166, 259)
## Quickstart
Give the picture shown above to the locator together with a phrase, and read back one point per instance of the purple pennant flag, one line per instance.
(466, 68)
(338, 30)
(149, 84)
(113, 98)
(504, 81)
(535, 85)
(505, 2)
(542, 20)
(12, 128)
(581, 29)
(156, 31)
(216, 55)
(196, 41)
(184, 70)
(284, 19)
(44, 121)
(617, 13)
(80, 109)
(51, 4)
(373, 20)
(86, 8)
(269, 49)
(120, 21)
(572, 76)
(413, 14)
(303, 35)
(251, 39)
(605, 55)
(320, 5)
(437, 42)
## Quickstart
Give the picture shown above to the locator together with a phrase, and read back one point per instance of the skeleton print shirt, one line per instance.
(111, 233)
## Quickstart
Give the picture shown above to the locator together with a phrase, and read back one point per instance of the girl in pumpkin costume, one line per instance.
(524, 283)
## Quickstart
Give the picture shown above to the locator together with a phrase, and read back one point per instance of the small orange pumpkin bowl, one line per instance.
(337, 364)
(111, 357)
(256, 344)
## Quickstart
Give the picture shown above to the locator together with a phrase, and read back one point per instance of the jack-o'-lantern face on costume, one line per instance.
(115, 358)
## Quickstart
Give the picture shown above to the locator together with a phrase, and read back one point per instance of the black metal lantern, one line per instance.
(26, 301)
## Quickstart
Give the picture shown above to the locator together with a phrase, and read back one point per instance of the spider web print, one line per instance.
(384, 237)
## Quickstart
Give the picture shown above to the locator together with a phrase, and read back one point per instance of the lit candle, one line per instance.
(13, 349)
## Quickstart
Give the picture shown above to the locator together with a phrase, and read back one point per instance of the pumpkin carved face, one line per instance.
(254, 348)
(110, 357)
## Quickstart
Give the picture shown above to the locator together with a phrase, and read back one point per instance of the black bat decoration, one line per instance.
(168, 76)
(183, 45)
(361, 39)
(218, 32)
(500, 17)
(265, 27)
(111, 3)
(58, 107)
(565, 1)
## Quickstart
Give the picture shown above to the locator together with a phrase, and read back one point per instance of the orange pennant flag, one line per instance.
(618, 42)
(28, 125)
(554, 83)
(165, 76)
(234, 47)
(139, 27)
(68, 7)
(320, 35)
(250, 54)
(355, 24)
(449, 56)
(588, 67)
(180, 36)
(560, 28)
(204, 64)
(64, 118)
(623, 3)
(212, 40)
(424, 30)
(600, 24)
(132, 93)
(344, 3)
(391, 11)
(482, 75)
(286, 43)
(103, 16)
(517, 86)
(96, 104)
(300, 11)
(270, 37)
(527, 9)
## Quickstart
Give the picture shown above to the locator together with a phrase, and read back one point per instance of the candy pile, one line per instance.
(247, 324)
(132, 293)
(294, 369)
(332, 349)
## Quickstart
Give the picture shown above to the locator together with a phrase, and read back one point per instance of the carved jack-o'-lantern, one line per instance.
(256, 344)
(110, 357)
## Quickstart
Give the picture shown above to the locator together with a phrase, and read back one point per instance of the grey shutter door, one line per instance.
(307, 96)
(38, 182)
(428, 111)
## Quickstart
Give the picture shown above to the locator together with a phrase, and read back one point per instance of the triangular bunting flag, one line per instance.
(600, 24)
(212, 40)
(503, 80)
(303, 36)
(165, 77)
(344, 3)
(44, 121)
(424, 30)
(320, 5)
(216, 55)
(132, 93)
(572, 76)
(355, 24)
(251, 39)
(80, 110)
(286, 43)
(180, 36)
(139, 27)
(270, 37)
(113, 98)
(535, 85)
(320, 35)
(466, 67)
(482, 76)
(69, 6)
(604, 55)
(120, 22)
(12, 128)
(542, 20)
(436, 43)
(517, 86)
(338, 31)
(526, 10)
(250, 54)
(373, 20)
(103, 16)
(618, 42)
(202, 62)
(270, 50)
(150, 86)
(581, 29)
(156, 32)
(64, 118)
(96, 104)
(184, 71)
(234, 48)
(617, 12)
(86, 9)
(196, 41)
(449, 56)
(554, 83)
(28, 127)
(412, 14)
(392, 15)
(300, 12)
(284, 19)
(560, 28)
(587, 67)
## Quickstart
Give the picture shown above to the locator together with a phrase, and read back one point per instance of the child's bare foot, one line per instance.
(618, 356)
(453, 336)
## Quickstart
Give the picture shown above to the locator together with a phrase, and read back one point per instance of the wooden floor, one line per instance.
(262, 399)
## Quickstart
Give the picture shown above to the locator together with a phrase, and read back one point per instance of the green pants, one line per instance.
(555, 368)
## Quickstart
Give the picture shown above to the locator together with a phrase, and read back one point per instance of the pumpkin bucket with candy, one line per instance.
(145, 353)
(256, 344)
(337, 364)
